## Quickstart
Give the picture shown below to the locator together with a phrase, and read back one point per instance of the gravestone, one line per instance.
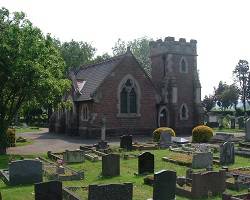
(165, 139)
(247, 136)
(0, 196)
(233, 123)
(208, 182)
(241, 122)
(126, 142)
(202, 160)
(25, 172)
(111, 192)
(51, 190)
(227, 153)
(76, 156)
(146, 163)
(179, 140)
(221, 137)
(111, 165)
(164, 185)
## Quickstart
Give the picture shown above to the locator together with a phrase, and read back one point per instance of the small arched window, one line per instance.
(183, 66)
(184, 112)
(85, 112)
(128, 97)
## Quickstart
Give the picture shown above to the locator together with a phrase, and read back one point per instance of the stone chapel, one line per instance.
(119, 94)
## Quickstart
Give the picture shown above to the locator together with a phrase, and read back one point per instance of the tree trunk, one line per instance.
(3, 137)
(50, 111)
(3, 150)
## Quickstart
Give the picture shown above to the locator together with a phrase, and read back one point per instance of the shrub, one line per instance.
(11, 137)
(201, 133)
(157, 133)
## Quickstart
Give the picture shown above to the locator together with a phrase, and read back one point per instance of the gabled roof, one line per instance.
(92, 76)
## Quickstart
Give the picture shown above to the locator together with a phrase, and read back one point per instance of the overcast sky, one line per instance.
(221, 27)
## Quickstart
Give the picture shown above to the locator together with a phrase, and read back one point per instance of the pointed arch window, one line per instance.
(183, 65)
(184, 112)
(128, 97)
(124, 101)
(85, 112)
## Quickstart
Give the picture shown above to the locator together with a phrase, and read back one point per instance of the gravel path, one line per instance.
(44, 141)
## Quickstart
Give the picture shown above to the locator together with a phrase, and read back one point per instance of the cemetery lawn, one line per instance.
(27, 130)
(229, 130)
(92, 176)
(28, 142)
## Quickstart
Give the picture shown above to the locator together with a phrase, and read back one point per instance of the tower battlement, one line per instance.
(170, 45)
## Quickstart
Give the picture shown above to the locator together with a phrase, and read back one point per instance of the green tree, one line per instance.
(218, 92)
(241, 74)
(139, 47)
(76, 53)
(208, 102)
(101, 58)
(30, 67)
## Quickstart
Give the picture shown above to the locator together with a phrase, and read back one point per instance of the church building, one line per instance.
(119, 94)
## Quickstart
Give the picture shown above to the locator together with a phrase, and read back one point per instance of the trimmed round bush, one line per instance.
(201, 133)
(11, 137)
(157, 133)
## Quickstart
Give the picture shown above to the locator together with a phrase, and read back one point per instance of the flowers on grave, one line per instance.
(201, 133)
(157, 133)
(60, 162)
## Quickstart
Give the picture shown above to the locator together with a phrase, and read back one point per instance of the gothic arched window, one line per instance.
(129, 97)
(184, 112)
(85, 112)
(183, 66)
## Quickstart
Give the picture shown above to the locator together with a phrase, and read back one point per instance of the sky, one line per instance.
(221, 27)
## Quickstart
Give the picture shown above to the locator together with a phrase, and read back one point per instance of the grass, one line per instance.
(92, 176)
(229, 130)
(27, 130)
(20, 144)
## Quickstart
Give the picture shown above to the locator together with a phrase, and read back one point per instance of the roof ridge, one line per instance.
(101, 62)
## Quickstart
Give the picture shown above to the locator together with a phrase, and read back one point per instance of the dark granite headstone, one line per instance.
(126, 142)
(165, 139)
(111, 165)
(146, 163)
(227, 153)
(25, 172)
(247, 136)
(102, 145)
(233, 123)
(164, 185)
(111, 192)
(51, 190)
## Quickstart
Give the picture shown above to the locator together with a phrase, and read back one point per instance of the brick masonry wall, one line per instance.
(108, 102)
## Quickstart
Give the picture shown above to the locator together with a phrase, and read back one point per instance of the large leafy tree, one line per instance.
(139, 47)
(208, 102)
(76, 53)
(226, 95)
(30, 67)
(241, 74)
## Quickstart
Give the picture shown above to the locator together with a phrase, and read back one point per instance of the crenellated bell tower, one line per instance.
(174, 73)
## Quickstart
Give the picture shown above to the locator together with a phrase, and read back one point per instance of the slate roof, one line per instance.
(94, 75)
